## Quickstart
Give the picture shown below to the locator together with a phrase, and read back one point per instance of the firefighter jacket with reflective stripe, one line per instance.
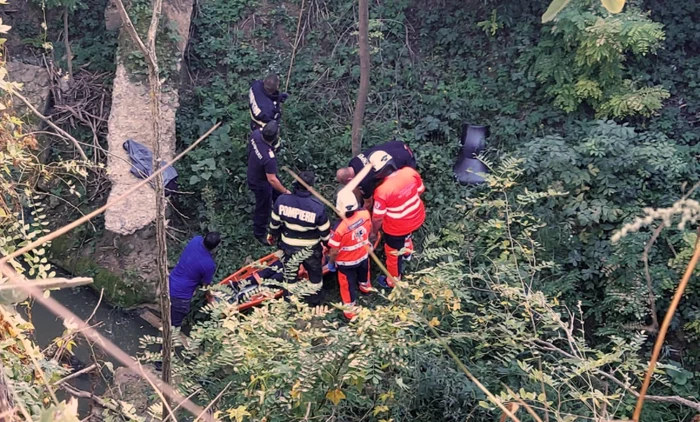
(351, 237)
(397, 201)
(299, 220)
(401, 156)
(264, 107)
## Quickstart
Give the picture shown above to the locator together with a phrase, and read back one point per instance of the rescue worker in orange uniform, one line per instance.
(398, 211)
(348, 250)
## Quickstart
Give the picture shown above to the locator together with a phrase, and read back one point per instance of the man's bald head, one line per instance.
(345, 175)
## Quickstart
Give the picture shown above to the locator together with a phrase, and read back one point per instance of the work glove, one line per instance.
(283, 97)
(332, 267)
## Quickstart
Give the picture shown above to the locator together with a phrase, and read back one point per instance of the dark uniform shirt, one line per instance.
(261, 160)
(264, 107)
(401, 156)
(300, 220)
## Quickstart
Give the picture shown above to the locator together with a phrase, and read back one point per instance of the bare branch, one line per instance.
(664, 326)
(161, 236)
(110, 348)
(76, 374)
(132, 32)
(50, 123)
(294, 47)
(650, 285)
(47, 283)
(80, 221)
(362, 92)
(662, 399)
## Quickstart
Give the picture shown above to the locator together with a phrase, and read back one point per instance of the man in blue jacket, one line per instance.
(265, 102)
(195, 268)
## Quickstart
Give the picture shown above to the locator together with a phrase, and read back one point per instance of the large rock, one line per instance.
(36, 86)
(128, 223)
(130, 118)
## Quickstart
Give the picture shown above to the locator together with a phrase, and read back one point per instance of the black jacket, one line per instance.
(264, 107)
(299, 220)
(401, 156)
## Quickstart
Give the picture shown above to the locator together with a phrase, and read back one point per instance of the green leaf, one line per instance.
(194, 180)
(613, 6)
(554, 8)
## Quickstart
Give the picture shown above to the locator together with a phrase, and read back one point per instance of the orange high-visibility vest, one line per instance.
(352, 237)
(397, 201)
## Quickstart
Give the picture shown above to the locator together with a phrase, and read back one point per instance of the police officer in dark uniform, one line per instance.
(400, 156)
(262, 177)
(300, 223)
(265, 103)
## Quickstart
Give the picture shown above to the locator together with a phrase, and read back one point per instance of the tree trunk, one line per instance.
(149, 52)
(69, 53)
(364, 78)
(161, 239)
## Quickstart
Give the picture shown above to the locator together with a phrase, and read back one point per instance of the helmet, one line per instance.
(270, 131)
(379, 160)
(347, 201)
(382, 164)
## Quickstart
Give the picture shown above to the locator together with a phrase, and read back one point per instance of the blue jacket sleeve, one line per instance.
(208, 275)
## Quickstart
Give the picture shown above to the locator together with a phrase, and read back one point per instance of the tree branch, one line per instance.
(50, 123)
(47, 283)
(363, 40)
(129, 26)
(665, 324)
(661, 399)
(69, 53)
(647, 274)
(76, 374)
(88, 217)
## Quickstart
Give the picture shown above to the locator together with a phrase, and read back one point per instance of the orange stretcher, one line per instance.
(265, 268)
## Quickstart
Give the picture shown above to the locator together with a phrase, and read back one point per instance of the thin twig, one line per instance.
(522, 403)
(218, 396)
(50, 123)
(80, 221)
(132, 31)
(664, 327)
(160, 395)
(647, 274)
(110, 348)
(75, 374)
(296, 44)
(47, 283)
(662, 399)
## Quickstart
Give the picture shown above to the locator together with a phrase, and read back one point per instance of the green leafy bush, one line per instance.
(581, 60)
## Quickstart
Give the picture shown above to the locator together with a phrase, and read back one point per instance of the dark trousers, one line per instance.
(393, 244)
(313, 266)
(349, 278)
(179, 308)
(264, 198)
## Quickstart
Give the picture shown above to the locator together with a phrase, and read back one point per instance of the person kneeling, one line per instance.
(349, 250)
